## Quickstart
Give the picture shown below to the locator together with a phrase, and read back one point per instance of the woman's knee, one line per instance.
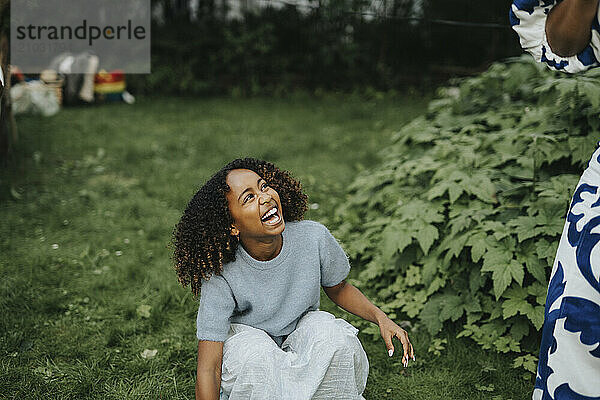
(338, 338)
(337, 335)
(320, 332)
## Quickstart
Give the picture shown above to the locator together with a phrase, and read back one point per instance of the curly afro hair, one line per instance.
(202, 239)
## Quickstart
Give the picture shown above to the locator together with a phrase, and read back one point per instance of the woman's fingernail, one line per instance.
(390, 352)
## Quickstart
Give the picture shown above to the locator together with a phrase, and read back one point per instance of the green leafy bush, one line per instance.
(461, 221)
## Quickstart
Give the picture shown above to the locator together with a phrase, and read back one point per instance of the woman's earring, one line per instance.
(235, 232)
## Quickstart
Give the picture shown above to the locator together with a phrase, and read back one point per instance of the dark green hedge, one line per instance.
(330, 47)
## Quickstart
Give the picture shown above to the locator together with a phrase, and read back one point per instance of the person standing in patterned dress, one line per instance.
(566, 37)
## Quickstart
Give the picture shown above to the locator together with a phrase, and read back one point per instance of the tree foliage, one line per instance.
(328, 44)
(461, 221)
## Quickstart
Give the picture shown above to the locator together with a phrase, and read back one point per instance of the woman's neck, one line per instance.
(263, 250)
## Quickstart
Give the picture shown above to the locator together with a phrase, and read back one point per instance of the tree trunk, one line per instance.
(8, 128)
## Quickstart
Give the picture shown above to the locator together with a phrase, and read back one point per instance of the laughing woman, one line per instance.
(242, 244)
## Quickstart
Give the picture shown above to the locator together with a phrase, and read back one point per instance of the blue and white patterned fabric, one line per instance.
(528, 19)
(569, 363)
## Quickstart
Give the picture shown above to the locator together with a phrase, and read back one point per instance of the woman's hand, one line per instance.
(352, 300)
(390, 329)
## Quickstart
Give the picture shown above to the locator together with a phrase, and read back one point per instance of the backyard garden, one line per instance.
(449, 204)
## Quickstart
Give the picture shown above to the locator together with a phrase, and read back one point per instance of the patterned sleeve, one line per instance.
(216, 307)
(528, 19)
(334, 262)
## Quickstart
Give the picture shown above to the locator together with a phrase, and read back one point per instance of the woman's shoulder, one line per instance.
(215, 285)
(306, 226)
(308, 232)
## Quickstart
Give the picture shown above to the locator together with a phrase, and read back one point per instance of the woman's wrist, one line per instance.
(380, 316)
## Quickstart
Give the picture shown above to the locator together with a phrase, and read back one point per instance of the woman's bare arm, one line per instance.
(208, 374)
(569, 26)
(352, 300)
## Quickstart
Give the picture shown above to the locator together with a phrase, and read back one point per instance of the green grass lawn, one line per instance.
(88, 204)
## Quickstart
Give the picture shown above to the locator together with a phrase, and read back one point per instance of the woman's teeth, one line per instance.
(273, 220)
(271, 217)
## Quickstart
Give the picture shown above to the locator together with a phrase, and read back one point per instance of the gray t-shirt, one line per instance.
(272, 295)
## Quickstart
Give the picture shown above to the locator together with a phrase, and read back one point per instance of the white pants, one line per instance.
(321, 359)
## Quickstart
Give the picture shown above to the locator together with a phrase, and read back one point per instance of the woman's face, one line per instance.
(254, 206)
